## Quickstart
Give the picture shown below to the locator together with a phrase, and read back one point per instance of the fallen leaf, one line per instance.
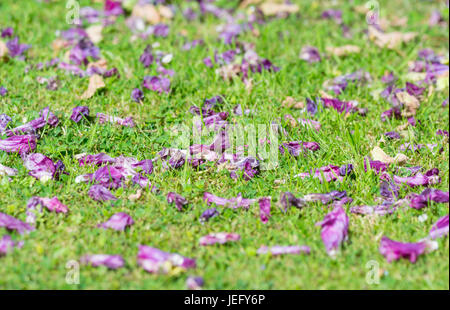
(165, 12)
(442, 82)
(246, 3)
(95, 82)
(59, 44)
(271, 8)
(228, 72)
(390, 40)
(101, 64)
(378, 154)
(410, 103)
(402, 127)
(361, 9)
(147, 12)
(94, 33)
(135, 196)
(3, 49)
(344, 50)
(415, 76)
(398, 21)
(290, 102)
(291, 120)
(325, 95)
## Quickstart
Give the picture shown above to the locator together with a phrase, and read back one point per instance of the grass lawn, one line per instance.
(60, 238)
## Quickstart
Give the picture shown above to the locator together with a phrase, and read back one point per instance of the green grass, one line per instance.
(41, 263)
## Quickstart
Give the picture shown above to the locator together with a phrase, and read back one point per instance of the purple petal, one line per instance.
(220, 238)
(156, 83)
(277, 250)
(440, 228)
(100, 193)
(334, 229)
(41, 167)
(287, 200)
(392, 135)
(137, 95)
(195, 283)
(179, 200)
(394, 250)
(7, 245)
(326, 197)
(78, 113)
(208, 213)
(12, 223)
(154, 260)
(110, 261)
(310, 54)
(20, 144)
(234, 203)
(264, 209)
(419, 201)
(118, 221)
(127, 122)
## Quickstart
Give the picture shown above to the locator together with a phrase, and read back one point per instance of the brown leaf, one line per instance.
(228, 72)
(101, 64)
(343, 50)
(94, 33)
(398, 21)
(59, 44)
(390, 40)
(3, 50)
(136, 196)
(378, 154)
(165, 12)
(95, 82)
(246, 3)
(290, 102)
(410, 103)
(291, 120)
(325, 95)
(147, 12)
(270, 8)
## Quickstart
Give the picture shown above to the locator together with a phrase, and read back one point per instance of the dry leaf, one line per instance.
(3, 49)
(101, 64)
(271, 8)
(290, 102)
(249, 85)
(147, 12)
(325, 95)
(95, 82)
(165, 12)
(398, 21)
(402, 127)
(94, 33)
(378, 154)
(361, 9)
(228, 72)
(344, 50)
(136, 196)
(390, 40)
(291, 120)
(279, 181)
(246, 3)
(410, 103)
(415, 76)
(59, 44)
